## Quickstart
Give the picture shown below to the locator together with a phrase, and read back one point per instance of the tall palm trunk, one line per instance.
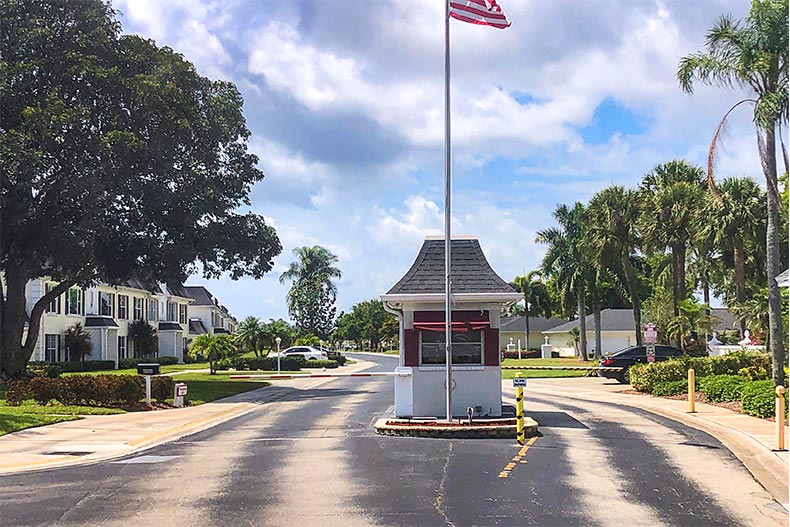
(526, 330)
(633, 291)
(597, 319)
(582, 322)
(776, 336)
(676, 295)
(740, 279)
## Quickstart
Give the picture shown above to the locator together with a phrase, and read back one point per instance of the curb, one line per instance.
(507, 431)
(761, 463)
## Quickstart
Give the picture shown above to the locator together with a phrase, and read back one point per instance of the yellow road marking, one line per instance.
(43, 462)
(517, 458)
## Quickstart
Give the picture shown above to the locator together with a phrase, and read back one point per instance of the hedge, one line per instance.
(645, 376)
(758, 398)
(531, 354)
(102, 390)
(261, 363)
(43, 369)
(328, 364)
(77, 366)
(667, 388)
(722, 388)
(124, 364)
(162, 387)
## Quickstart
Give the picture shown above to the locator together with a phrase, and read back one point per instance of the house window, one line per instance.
(107, 304)
(467, 347)
(122, 349)
(172, 308)
(52, 348)
(182, 313)
(54, 306)
(153, 310)
(138, 308)
(74, 301)
(123, 307)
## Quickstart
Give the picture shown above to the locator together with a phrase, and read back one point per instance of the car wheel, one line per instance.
(626, 376)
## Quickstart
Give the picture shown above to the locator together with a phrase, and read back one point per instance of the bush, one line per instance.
(43, 369)
(80, 389)
(339, 359)
(261, 363)
(16, 392)
(162, 388)
(645, 376)
(125, 364)
(328, 364)
(722, 388)
(758, 399)
(754, 373)
(44, 389)
(525, 354)
(129, 389)
(668, 388)
(86, 365)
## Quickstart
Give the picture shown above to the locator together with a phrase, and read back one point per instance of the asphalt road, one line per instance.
(312, 458)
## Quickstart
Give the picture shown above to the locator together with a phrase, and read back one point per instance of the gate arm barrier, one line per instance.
(576, 368)
(321, 375)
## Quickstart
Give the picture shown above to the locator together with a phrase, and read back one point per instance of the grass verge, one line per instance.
(545, 374)
(169, 368)
(204, 387)
(14, 418)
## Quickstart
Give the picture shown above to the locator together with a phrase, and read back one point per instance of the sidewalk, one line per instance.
(749, 438)
(102, 437)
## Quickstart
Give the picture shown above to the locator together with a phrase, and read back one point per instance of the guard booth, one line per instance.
(418, 299)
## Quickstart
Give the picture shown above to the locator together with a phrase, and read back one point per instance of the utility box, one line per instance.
(418, 299)
(179, 392)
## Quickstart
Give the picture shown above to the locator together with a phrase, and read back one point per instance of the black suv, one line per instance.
(630, 356)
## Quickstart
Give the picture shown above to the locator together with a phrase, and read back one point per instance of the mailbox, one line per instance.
(148, 369)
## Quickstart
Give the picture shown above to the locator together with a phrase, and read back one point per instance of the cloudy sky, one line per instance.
(345, 103)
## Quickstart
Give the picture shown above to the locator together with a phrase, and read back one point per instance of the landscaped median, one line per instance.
(738, 381)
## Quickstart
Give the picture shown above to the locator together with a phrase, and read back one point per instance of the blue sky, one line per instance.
(345, 101)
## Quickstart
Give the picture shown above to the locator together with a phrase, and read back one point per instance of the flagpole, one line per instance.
(448, 335)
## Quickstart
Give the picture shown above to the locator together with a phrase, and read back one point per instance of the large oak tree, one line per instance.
(117, 160)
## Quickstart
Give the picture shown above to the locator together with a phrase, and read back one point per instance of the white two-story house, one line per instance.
(206, 314)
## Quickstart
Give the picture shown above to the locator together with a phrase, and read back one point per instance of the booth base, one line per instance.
(458, 429)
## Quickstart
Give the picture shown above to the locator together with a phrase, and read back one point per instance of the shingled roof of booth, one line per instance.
(471, 272)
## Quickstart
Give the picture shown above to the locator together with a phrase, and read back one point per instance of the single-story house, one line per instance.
(617, 331)
(513, 328)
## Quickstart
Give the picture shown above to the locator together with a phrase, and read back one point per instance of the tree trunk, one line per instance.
(636, 304)
(775, 330)
(597, 318)
(740, 278)
(676, 296)
(526, 330)
(582, 322)
(15, 353)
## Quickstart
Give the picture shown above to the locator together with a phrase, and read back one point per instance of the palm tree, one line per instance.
(250, 335)
(737, 221)
(672, 195)
(312, 295)
(77, 342)
(536, 299)
(614, 212)
(212, 348)
(567, 260)
(754, 56)
(693, 318)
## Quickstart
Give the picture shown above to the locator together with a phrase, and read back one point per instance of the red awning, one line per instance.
(475, 325)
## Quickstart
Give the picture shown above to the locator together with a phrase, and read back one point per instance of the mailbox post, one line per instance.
(147, 370)
(179, 392)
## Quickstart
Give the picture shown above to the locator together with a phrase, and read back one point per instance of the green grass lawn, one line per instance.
(170, 368)
(28, 415)
(538, 374)
(204, 387)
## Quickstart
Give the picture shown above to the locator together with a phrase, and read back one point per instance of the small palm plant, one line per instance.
(212, 348)
(77, 342)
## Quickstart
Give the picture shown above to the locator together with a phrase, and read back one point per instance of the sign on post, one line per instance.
(649, 333)
(180, 391)
(519, 381)
(651, 353)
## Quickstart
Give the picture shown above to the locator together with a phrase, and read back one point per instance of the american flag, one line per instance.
(483, 12)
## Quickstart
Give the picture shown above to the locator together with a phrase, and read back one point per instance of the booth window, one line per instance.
(467, 347)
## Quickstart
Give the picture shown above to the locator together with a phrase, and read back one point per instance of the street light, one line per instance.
(278, 340)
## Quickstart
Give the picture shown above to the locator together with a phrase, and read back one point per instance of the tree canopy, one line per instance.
(119, 161)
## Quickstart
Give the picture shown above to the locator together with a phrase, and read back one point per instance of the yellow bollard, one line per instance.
(780, 417)
(519, 411)
(692, 390)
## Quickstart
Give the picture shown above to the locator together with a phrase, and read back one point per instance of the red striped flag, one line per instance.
(483, 12)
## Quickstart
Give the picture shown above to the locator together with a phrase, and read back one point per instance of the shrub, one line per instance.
(125, 364)
(86, 365)
(525, 354)
(328, 364)
(722, 388)
(80, 389)
(667, 388)
(43, 369)
(261, 363)
(339, 359)
(758, 398)
(16, 392)
(162, 388)
(44, 389)
(754, 373)
(645, 376)
(129, 389)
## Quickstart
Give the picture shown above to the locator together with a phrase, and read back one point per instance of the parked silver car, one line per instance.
(308, 352)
